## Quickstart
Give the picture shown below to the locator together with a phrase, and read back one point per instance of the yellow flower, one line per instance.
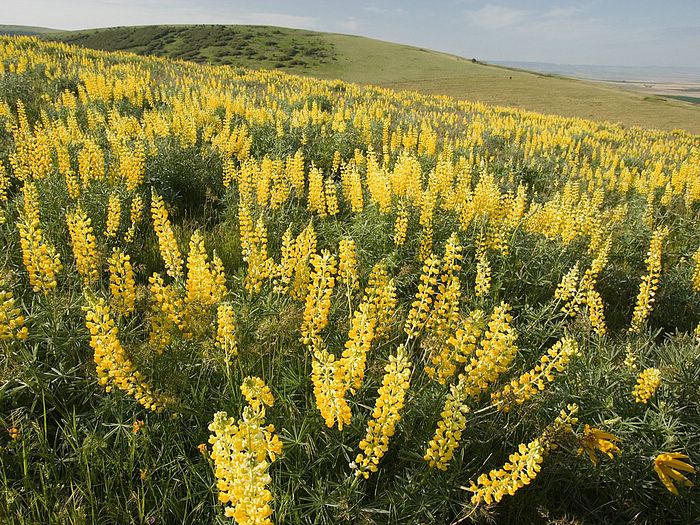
(226, 330)
(114, 214)
(650, 282)
(242, 452)
(420, 308)
(15, 433)
(647, 383)
(533, 381)
(121, 283)
(483, 274)
(524, 465)
(593, 440)
(667, 466)
(400, 225)
(84, 245)
(347, 264)
(166, 238)
(40, 258)
(386, 413)
(135, 215)
(114, 368)
(137, 426)
(11, 319)
(318, 299)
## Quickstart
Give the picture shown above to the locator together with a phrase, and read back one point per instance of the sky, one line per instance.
(601, 32)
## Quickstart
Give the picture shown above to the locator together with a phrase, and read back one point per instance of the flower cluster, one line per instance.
(206, 283)
(114, 368)
(483, 274)
(420, 308)
(650, 282)
(443, 364)
(84, 245)
(121, 283)
(114, 216)
(242, 452)
(491, 358)
(40, 258)
(329, 377)
(11, 319)
(135, 216)
(533, 381)
(318, 299)
(225, 338)
(386, 413)
(401, 225)
(647, 383)
(347, 265)
(522, 466)
(169, 250)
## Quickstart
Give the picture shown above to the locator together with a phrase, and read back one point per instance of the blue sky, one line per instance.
(612, 32)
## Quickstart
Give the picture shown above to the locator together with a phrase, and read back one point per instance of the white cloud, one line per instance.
(350, 24)
(496, 17)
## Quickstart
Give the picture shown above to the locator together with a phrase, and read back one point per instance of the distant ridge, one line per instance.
(26, 30)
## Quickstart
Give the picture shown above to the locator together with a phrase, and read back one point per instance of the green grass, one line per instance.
(6, 29)
(395, 66)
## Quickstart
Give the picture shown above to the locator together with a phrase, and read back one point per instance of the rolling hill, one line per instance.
(390, 65)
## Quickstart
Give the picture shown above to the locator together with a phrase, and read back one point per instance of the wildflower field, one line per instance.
(238, 296)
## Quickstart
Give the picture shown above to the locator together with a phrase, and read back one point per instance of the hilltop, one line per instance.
(396, 66)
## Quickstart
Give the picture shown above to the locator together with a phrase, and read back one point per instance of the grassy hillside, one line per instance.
(14, 30)
(368, 61)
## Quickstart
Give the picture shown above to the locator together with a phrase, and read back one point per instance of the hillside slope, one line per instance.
(11, 30)
(368, 61)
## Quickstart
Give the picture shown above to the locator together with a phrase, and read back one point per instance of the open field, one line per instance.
(368, 61)
(232, 295)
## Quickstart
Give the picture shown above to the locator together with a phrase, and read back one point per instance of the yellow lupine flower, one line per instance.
(420, 308)
(668, 467)
(226, 330)
(242, 452)
(114, 368)
(318, 299)
(492, 357)
(135, 216)
(650, 282)
(114, 211)
(647, 383)
(483, 274)
(84, 245)
(401, 225)
(169, 250)
(524, 465)
(331, 197)
(347, 264)
(444, 362)
(533, 381)
(121, 283)
(40, 258)
(205, 284)
(386, 413)
(11, 319)
(330, 386)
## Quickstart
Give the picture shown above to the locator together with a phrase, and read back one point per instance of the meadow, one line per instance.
(368, 61)
(232, 295)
